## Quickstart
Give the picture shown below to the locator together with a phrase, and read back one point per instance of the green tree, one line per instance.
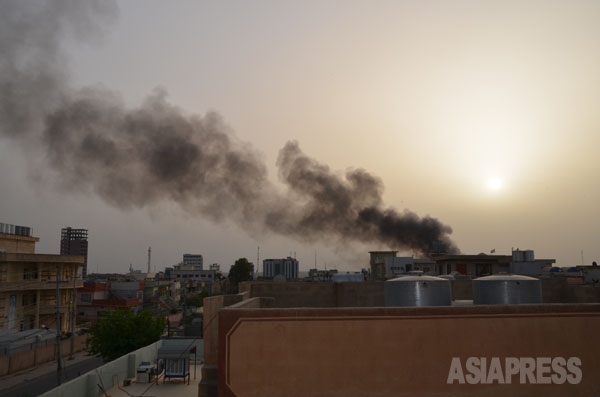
(196, 300)
(121, 331)
(240, 271)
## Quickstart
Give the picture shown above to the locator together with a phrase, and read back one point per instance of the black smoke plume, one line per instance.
(156, 153)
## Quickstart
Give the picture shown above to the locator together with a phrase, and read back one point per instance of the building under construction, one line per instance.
(75, 242)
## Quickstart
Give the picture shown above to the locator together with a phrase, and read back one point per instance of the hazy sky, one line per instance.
(484, 115)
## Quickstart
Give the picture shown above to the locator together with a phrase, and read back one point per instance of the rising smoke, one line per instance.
(133, 158)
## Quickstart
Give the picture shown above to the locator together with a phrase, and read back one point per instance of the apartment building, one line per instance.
(34, 287)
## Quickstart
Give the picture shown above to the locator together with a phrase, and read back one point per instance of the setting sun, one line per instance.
(494, 184)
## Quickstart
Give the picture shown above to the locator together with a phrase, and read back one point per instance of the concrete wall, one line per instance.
(370, 293)
(13, 243)
(16, 362)
(462, 289)
(400, 351)
(293, 294)
(318, 294)
(108, 374)
(360, 294)
(211, 307)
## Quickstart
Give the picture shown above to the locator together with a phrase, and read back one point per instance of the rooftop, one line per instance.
(109, 378)
(173, 387)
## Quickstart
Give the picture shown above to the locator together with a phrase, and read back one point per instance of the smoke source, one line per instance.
(138, 157)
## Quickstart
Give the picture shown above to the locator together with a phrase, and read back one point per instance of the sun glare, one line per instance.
(494, 184)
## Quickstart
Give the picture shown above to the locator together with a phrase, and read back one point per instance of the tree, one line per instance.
(240, 271)
(121, 331)
(196, 300)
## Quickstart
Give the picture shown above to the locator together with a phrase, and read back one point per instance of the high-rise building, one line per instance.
(288, 267)
(75, 242)
(194, 261)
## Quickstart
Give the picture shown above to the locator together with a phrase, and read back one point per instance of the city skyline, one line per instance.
(482, 116)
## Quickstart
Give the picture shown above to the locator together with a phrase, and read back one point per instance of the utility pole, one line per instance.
(258, 261)
(58, 358)
(73, 301)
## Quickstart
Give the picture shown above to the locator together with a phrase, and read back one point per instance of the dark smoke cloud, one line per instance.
(157, 153)
(351, 208)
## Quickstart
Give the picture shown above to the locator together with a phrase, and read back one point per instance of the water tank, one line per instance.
(417, 291)
(529, 256)
(505, 289)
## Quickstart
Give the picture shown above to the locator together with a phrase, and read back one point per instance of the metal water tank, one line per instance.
(506, 289)
(417, 291)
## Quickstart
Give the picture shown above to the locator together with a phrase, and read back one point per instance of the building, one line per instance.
(520, 262)
(524, 262)
(192, 277)
(288, 267)
(182, 272)
(29, 283)
(75, 242)
(100, 296)
(162, 296)
(396, 265)
(193, 260)
(377, 262)
(321, 275)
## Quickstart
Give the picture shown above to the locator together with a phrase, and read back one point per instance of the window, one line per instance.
(30, 274)
(448, 268)
(86, 297)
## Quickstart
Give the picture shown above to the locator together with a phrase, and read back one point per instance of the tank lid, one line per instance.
(506, 277)
(415, 278)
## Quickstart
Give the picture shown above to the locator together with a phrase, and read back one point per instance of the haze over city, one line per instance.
(480, 116)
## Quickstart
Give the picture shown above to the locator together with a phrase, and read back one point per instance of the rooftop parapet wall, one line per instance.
(401, 351)
(370, 293)
(13, 243)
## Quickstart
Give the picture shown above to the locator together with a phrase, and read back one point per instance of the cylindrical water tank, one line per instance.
(418, 291)
(506, 289)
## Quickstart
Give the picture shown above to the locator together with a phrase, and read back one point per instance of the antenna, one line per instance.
(582, 262)
(258, 260)
(315, 259)
(149, 257)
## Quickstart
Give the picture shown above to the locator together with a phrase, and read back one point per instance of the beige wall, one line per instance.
(398, 351)
(14, 244)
